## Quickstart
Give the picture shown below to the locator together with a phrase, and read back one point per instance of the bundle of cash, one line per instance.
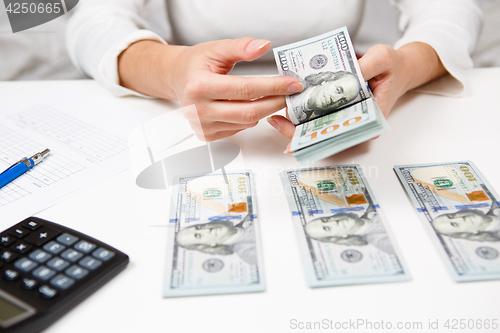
(336, 110)
(341, 232)
(214, 245)
(461, 212)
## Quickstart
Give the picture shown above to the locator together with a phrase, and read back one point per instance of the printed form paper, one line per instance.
(87, 138)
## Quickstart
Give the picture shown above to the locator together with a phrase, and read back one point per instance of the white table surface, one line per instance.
(424, 128)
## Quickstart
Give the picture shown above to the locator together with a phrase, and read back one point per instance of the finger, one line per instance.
(218, 126)
(376, 61)
(245, 112)
(209, 128)
(283, 125)
(246, 88)
(241, 49)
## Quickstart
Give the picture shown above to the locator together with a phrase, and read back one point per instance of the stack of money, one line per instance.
(343, 237)
(461, 212)
(214, 245)
(336, 110)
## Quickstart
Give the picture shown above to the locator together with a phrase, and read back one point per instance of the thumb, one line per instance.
(283, 125)
(231, 51)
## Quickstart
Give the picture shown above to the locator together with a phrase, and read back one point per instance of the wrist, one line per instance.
(143, 67)
(422, 61)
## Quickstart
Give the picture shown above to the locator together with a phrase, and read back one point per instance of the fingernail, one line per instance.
(258, 44)
(287, 151)
(295, 88)
(274, 123)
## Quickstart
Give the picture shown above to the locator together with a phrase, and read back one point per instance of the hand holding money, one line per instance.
(391, 73)
(225, 104)
(334, 83)
(336, 110)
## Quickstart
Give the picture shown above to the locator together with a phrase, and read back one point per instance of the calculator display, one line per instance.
(11, 313)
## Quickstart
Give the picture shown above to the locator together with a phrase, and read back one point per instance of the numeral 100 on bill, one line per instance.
(334, 127)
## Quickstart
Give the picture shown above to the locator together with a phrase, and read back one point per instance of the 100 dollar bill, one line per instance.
(214, 245)
(461, 211)
(342, 236)
(328, 68)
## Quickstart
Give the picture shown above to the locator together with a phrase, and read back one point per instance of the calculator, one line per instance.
(46, 269)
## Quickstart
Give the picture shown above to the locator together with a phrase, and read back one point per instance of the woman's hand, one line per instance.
(390, 74)
(224, 104)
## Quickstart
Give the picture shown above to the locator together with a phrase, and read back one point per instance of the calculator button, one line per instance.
(53, 247)
(11, 275)
(28, 283)
(67, 239)
(8, 256)
(6, 240)
(25, 265)
(32, 225)
(21, 247)
(47, 292)
(90, 263)
(62, 281)
(40, 256)
(71, 255)
(103, 254)
(76, 272)
(84, 246)
(43, 273)
(42, 236)
(58, 264)
(18, 232)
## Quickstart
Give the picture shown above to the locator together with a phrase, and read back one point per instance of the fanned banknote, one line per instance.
(336, 109)
(214, 246)
(342, 235)
(335, 132)
(328, 62)
(461, 211)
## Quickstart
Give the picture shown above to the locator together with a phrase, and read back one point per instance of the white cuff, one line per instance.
(451, 28)
(107, 73)
(452, 84)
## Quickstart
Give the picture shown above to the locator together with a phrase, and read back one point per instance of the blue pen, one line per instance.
(19, 168)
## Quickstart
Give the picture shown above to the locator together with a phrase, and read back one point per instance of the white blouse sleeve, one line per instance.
(452, 28)
(99, 31)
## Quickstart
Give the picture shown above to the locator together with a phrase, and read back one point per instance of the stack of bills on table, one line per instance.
(342, 235)
(336, 109)
(214, 246)
(461, 212)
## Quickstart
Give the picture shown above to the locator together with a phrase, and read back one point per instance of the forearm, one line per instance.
(451, 28)
(146, 66)
(99, 31)
(420, 63)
